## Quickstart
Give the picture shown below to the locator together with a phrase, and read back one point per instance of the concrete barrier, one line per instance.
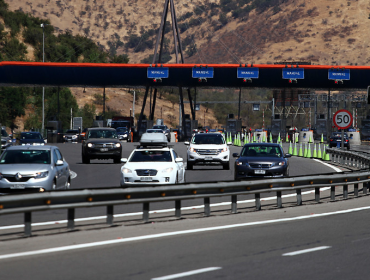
(354, 138)
(305, 136)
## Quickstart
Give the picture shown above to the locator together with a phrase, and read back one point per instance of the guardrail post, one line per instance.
(364, 187)
(207, 207)
(356, 189)
(110, 214)
(279, 202)
(27, 223)
(71, 218)
(345, 191)
(146, 212)
(299, 196)
(178, 208)
(257, 197)
(234, 208)
(317, 194)
(332, 193)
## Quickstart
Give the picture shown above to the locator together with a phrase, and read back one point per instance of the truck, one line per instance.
(119, 121)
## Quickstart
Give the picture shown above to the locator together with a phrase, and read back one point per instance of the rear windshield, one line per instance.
(211, 139)
(25, 156)
(261, 151)
(101, 133)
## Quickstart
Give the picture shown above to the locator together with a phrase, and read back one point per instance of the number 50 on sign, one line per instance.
(342, 119)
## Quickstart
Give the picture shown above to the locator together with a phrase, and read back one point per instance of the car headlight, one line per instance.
(167, 170)
(126, 170)
(222, 150)
(241, 163)
(118, 145)
(90, 145)
(281, 163)
(124, 135)
(74, 136)
(64, 136)
(193, 150)
(10, 141)
(41, 174)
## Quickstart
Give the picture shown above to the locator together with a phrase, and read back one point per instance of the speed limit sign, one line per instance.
(342, 119)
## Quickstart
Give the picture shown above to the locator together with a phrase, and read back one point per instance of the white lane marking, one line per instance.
(329, 165)
(167, 210)
(175, 233)
(183, 274)
(73, 174)
(155, 211)
(306, 251)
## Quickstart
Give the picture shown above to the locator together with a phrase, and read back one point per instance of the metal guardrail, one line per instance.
(351, 159)
(28, 203)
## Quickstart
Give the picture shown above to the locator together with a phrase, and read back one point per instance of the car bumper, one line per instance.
(159, 179)
(208, 159)
(242, 171)
(98, 154)
(32, 185)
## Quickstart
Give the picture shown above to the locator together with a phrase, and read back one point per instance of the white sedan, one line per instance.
(152, 165)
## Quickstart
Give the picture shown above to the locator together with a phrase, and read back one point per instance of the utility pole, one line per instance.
(43, 88)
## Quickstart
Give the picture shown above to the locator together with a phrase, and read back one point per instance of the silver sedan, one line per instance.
(33, 168)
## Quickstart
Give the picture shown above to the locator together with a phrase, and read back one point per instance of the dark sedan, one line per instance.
(261, 160)
(336, 140)
(101, 143)
(31, 138)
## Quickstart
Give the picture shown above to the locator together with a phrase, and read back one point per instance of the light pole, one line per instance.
(43, 88)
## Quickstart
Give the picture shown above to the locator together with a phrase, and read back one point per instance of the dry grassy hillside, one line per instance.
(321, 31)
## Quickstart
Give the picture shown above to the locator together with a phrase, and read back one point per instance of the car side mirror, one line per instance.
(287, 155)
(179, 160)
(235, 155)
(123, 160)
(59, 162)
(186, 143)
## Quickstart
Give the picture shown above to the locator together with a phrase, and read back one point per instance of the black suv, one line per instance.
(101, 143)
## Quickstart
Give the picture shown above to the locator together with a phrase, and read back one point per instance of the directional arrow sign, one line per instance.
(342, 119)
(293, 73)
(339, 74)
(157, 72)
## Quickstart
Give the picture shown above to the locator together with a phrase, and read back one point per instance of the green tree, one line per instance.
(13, 101)
(88, 113)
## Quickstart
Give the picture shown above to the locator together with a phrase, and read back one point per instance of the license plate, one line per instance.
(259, 171)
(104, 149)
(208, 158)
(146, 179)
(18, 186)
(339, 140)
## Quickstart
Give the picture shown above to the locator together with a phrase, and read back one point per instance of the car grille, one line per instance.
(146, 172)
(110, 145)
(207, 152)
(259, 165)
(11, 178)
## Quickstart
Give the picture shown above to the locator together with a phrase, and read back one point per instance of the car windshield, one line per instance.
(72, 131)
(4, 133)
(163, 127)
(154, 131)
(27, 135)
(212, 139)
(149, 156)
(261, 151)
(121, 129)
(102, 133)
(25, 156)
(339, 134)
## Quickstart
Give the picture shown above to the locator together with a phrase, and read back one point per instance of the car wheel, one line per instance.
(348, 147)
(68, 184)
(177, 179)
(54, 186)
(85, 160)
(117, 160)
(189, 166)
(226, 166)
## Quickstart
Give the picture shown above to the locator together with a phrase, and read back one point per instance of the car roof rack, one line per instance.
(151, 140)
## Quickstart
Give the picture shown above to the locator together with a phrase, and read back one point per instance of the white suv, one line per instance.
(207, 149)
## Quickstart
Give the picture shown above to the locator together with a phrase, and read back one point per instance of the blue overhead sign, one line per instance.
(293, 73)
(157, 72)
(203, 73)
(248, 72)
(339, 74)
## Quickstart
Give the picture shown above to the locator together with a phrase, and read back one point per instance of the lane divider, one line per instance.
(183, 274)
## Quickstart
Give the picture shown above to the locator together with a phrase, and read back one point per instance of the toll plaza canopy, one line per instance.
(184, 75)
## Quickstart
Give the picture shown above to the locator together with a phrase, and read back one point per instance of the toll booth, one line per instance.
(190, 125)
(305, 135)
(145, 124)
(365, 129)
(54, 132)
(260, 134)
(278, 126)
(233, 126)
(354, 136)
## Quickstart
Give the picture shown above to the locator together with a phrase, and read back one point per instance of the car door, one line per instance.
(180, 166)
(58, 170)
(64, 169)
